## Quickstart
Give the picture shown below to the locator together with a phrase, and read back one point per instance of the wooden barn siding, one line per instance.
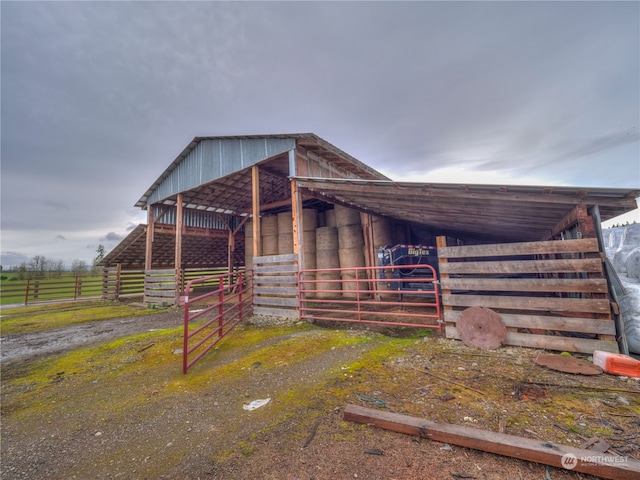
(559, 286)
(275, 285)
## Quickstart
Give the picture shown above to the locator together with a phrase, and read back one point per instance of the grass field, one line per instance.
(14, 290)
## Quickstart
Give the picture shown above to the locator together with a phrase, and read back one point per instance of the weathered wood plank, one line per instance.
(291, 291)
(276, 312)
(564, 324)
(587, 305)
(168, 271)
(278, 302)
(521, 248)
(257, 270)
(289, 257)
(587, 285)
(494, 442)
(514, 267)
(549, 342)
(263, 279)
(159, 279)
(168, 293)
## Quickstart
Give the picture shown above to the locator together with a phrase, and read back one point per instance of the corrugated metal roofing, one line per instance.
(497, 212)
(207, 159)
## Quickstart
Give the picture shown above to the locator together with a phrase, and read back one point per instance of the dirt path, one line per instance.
(29, 346)
(126, 411)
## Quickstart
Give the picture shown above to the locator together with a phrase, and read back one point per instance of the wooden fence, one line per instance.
(275, 285)
(550, 295)
(160, 287)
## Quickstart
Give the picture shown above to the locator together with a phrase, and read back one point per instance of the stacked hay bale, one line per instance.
(269, 234)
(285, 233)
(327, 257)
(350, 247)
(310, 223)
(248, 249)
(382, 235)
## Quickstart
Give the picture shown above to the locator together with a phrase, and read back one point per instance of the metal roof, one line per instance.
(207, 159)
(492, 212)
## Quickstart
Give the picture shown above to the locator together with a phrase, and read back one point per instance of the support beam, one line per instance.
(178, 252)
(547, 453)
(298, 227)
(255, 203)
(148, 252)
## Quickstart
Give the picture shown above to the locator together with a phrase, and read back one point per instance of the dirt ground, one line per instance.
(107, 399)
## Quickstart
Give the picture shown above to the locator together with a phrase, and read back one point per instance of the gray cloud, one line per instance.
(99, 97)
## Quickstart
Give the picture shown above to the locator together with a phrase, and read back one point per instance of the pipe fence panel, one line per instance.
(398, 296)
(213, 306)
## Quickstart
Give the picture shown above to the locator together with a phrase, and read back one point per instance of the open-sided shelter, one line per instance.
(205, 211)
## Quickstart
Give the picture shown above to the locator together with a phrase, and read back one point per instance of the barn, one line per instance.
(314, 233)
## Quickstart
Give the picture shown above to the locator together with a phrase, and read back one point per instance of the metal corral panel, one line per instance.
(210, 159)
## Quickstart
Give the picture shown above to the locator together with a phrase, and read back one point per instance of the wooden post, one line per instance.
(441, 242)
(178, 252)
(231, 248)
(149, 244)
(255, 203)
(547, 453)
(298, 227)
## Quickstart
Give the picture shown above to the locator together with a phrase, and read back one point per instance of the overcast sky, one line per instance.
(99, 98)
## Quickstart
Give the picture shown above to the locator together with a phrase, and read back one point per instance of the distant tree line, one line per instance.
(43, 267)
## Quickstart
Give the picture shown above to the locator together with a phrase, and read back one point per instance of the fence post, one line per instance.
(26, 294)
(116, 295)
(220, 306)
(36, 287)
(75, 288)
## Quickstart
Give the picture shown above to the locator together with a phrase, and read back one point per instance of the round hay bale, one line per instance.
(330, 218)
(309, 219)
(326, 238)
(328, 285)
(270, 245)
(310, 241)
(351, 257)
(350, 236)
(346, 216)
(269, 226)
(285, 222)
(322, 219)
(285, 243)
(382, 233)
(327, 259)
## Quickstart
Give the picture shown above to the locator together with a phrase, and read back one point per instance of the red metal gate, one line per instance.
(211, 315)
(406, 296)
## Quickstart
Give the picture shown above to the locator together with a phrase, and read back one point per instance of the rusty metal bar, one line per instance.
(417, 297)
(227, 309)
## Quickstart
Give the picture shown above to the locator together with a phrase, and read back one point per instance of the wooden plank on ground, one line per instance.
(514, 267)
(525, 248)
(586, 285)
(564, 324)
(589, 305)
(547, 453)
(559, 343)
